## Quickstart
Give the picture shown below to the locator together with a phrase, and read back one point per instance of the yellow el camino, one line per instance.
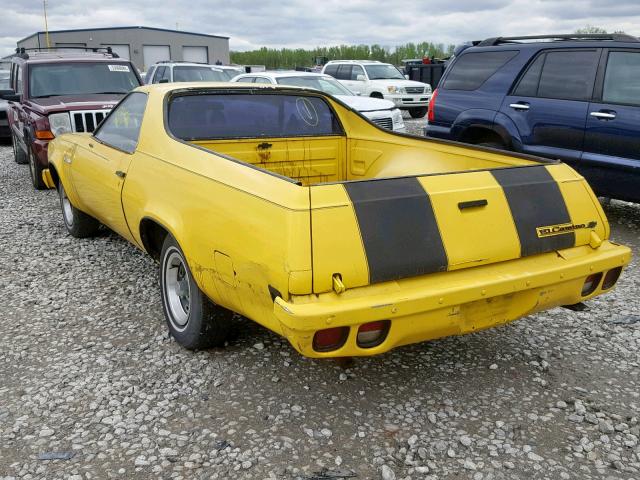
(286, 206)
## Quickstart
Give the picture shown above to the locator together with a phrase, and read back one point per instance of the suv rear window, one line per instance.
(219, 116)
(80, 78)
(471, 70)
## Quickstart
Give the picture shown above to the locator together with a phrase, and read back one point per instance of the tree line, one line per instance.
(274, 58)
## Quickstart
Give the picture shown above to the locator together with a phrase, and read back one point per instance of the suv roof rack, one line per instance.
(354, 61)
(23, 52)
(181, 61)
(616, 37)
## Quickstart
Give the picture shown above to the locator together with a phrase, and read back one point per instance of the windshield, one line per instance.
(80, 78)
(327, 85)
(4, 80)
(381, 72)
(197, 74)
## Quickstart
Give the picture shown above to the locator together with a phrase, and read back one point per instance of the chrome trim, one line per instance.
(519, 106)
(87, 120)
(603, 115)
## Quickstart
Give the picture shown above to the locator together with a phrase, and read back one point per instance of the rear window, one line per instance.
(220, 116)
(197, 74)
(471, 70)
(80, 78)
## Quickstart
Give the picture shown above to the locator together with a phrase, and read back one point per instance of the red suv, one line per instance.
(54, 92)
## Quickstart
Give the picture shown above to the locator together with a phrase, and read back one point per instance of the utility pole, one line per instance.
(46, 26)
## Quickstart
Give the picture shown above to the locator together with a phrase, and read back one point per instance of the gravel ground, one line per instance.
(92, 387)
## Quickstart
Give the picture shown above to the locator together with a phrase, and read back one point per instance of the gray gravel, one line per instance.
(92, 387)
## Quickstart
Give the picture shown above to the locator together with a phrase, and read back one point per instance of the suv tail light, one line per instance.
(432, 107)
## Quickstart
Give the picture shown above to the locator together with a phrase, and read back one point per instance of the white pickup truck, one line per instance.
(381, 80)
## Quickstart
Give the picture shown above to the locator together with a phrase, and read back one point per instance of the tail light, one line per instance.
(591, 283)
(611, 278)
(431, 116)
(330, 339)
(373, 334)
(44, 135)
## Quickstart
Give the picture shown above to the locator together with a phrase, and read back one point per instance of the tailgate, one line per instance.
(378, 230)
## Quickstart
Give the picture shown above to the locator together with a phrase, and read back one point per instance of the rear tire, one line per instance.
(18, 154)
(418, 112)
(194, 321)
(36, 172)
(78, 224)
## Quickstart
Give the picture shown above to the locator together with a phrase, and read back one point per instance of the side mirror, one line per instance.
(361, 78)
(407, 76)
(9, 95)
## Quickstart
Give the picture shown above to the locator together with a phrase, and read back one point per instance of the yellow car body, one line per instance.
(312, 232)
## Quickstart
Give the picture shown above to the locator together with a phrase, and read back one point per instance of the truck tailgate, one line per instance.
(378, 230)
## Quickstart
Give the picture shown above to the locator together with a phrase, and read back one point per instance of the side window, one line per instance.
(331, 70)
(121, 128)
(471, 70)
(528, 85)
(355, 71)
(246, 79)
(158, 74)
(622, 78)
(568, 75)
(18, 88)
(344, 72)
(150, 74)
(262, 80)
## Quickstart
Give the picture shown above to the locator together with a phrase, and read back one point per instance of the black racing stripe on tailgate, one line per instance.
(398, 228)
(535, 201)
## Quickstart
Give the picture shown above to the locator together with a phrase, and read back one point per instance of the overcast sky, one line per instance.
(307, 23)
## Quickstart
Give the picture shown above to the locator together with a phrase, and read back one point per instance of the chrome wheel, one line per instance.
(67, 209)
(177, 291)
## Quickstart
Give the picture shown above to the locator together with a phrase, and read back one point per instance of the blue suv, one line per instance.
(572, 97)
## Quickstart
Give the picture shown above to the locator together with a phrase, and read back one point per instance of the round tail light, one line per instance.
(611, 278)
(591, 283)
(373, 334)
(330, 339)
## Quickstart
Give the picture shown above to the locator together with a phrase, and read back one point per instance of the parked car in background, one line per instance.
(4, 106)
(170, 71)
(381, 80)
(381, 112)
(571, 97)
(53, 92)
(230, 71)
(286, 206)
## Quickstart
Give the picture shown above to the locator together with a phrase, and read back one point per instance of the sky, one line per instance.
(307, 24)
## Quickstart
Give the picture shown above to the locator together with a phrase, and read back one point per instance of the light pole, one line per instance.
(46, 26)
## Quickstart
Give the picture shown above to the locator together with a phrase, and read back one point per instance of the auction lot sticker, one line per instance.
(118, 68)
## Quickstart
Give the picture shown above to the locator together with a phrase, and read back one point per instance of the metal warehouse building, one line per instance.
(144, 46)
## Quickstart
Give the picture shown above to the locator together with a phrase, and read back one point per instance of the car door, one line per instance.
(353, 84)
(19, 118)
(100, 162)
(549, 103)
(611, 157)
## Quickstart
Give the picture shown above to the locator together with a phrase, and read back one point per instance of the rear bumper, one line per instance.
(448, 303)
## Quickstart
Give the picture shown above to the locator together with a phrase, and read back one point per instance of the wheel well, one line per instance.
(482, 135)
(54, 175)
(376, 95)
(152, 235)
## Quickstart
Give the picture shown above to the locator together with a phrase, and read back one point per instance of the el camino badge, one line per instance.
(563, 228)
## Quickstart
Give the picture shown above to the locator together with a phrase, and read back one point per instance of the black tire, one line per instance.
(193, 320)
(78, 224)
(18, 154)
(418, 112)
(36, 172)
(496, 145)
(376, 95)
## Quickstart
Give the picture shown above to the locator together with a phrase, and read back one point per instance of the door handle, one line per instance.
(603, 115)
(120, 174)
(519, 106)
